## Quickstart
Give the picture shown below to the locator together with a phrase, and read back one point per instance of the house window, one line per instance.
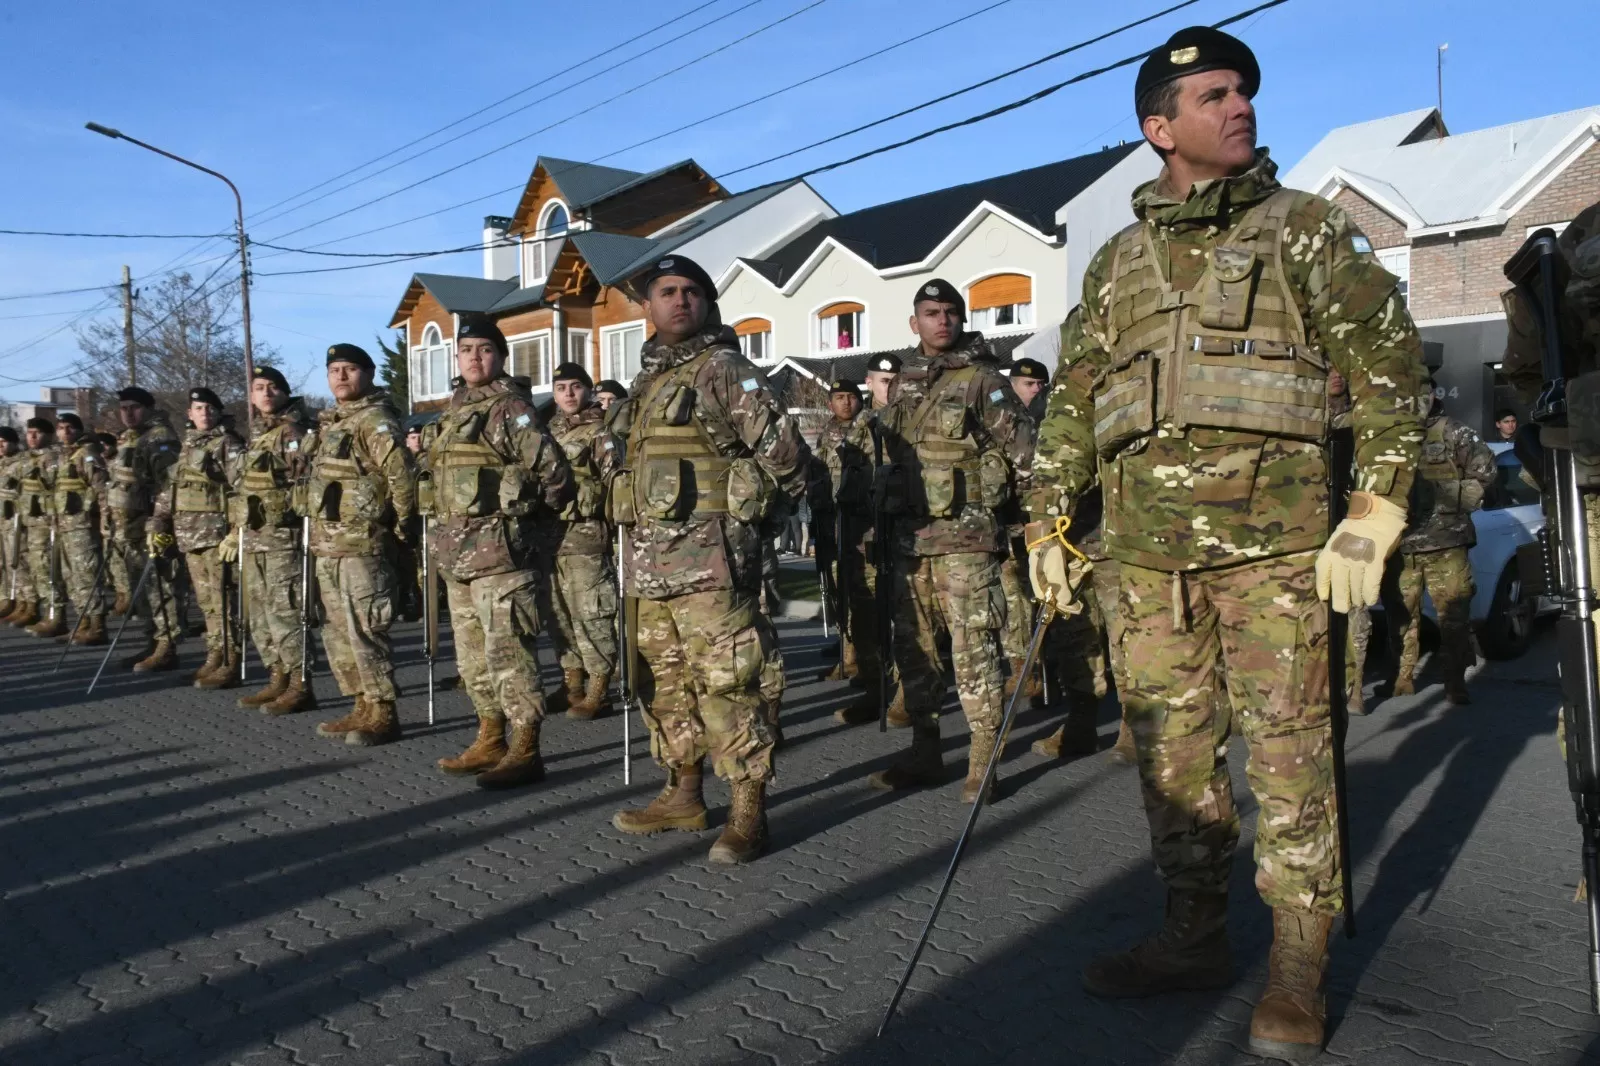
(755, 339)
(430, 365)
(621, 346)
(1000, 302)
(578, 347)
(530, 358)
(1397, 261)
(538, 253)
(841, 327)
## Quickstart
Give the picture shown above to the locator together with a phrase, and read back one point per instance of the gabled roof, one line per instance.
(585, 183)
(1345, 142)
(456, 293)
(519, 300)
(907, 231)
(1461, 181)
(610, 254)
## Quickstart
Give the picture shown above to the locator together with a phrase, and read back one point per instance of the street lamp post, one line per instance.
(244, 255)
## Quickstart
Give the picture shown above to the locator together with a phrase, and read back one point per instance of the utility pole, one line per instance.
(127, 326)
(1439, 75)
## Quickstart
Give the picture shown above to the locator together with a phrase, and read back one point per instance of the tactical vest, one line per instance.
(125, 494)
(675, 470)
(73, 489)
(199, 485)
(588, 501)
(264, 485)
(1231, 353)
(10, 487)
(37, 500)
(342, 490)
(470, 479)
(957, 470)
(1437, 486)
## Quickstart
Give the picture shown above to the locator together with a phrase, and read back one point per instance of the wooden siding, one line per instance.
(998, 290)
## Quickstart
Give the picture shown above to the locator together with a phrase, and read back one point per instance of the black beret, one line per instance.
(482, 327)
(106, 440)
(351, 353)
(134, 394)
(414, 429)
(42, 424)
(274, 375)
(70, 419)
(572, 372)
(1031, 369)
(886, 364)
(676, 266)
(1193, 50)
(613, 387)
(205, 395)
(8, 434)
(942, 291)
(846, 386)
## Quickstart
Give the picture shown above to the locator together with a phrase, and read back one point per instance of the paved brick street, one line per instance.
(187, 882)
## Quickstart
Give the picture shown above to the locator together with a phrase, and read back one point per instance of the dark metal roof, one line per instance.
(458, 293)
(610, 255)
(584, 183)
(905, 231)
(519, 299)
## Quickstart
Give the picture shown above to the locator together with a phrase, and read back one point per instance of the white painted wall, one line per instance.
(1096, 215)
(760, 230)
(499, 263)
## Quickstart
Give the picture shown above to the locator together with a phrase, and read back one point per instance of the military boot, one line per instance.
(119, 607)
(1403, 686)
(1357, 703)
(898, 718)
(164, 656)
(977, 763)
(27, 616)
(1455, 682)
(350, 722)
(91, 631)
(1123, 750)
(484, 752)
(214, 659)
(297, 695)
(381, 726)
(1289, 1021)
(571, 690)
(48, 627)
(681, 805)
(1031, 688)
(596, 698)
(863, 709)
(1189, 953)
(744, 837)
(835, 673)
(6, 607)
(521, 764)
(224, 676)
(277, 681)
(921, 767)
(1077, 735)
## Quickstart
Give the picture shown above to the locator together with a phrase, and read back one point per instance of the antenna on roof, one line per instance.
(1439, 75)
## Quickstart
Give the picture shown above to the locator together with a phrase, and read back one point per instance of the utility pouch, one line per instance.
(663, 486)
(1125, 404)
(677, 406)
(949, 418)
(940, 487)
(425, 494)
(994, 479)
(329, 500)
(1227, 288)
(620, 504)
(747, 491)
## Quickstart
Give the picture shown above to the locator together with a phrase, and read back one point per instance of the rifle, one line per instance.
(144, 575)
(94, 598)
(16, 549)
(882, 563)
(1341, 457)
(1564, 427)
(430, 612)
(55, 569)
(841, 579)
(305, 599)
(244, 609)
(627, 667)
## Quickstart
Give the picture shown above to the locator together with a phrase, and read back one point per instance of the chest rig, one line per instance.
(37, 499)
(1230, 353)
(264, 485)
(342, 489)
(578, 445)
(199, 479)
(471, 479)
(957, 466)
(73, 489)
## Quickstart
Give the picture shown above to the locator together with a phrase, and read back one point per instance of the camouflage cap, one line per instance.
(1193, 50)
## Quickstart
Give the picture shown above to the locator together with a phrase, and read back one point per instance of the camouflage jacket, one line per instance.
(36, 474)
(193, 504)
(1457, 470)
(933, 398)
(1182, 499)
(497, 472)
(263, 477)
(10, 483)
(594, 455)
(735, 407)
(841, 489)
(79, 480)
(1523, 365)
(360, 487)
(140, 469)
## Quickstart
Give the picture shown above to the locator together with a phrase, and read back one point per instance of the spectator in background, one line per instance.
(1505, 421)
(844, 340)
(609, 392)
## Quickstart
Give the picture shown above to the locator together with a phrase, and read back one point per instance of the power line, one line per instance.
(381, 255)
(116, 236)
(58, 292)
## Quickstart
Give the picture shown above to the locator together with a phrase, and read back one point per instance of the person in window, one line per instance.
(844, 340)
(1505, 423)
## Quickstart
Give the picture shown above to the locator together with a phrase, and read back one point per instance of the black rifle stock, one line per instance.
(883, 589)
(1536, 270)
(627, 648)
(306, 607)
(430, 610)
(1341, 457)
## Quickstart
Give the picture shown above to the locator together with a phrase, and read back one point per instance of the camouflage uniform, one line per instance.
(137, 477)
(841, 503)
(493, 465)
(263, 476)
(14, 570)
(959, 444)
(194, 510)
(708, 445)
(80, 481)
(1457, 470)
(1216, 498)
(584, 583)
(38, 503)
(360, 491)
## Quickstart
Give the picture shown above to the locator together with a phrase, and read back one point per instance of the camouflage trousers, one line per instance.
(495, 620)
(358, 593)
(126, 556)
(583, 594)
(705, 655)
(272, 595)
(1263, 625)
(1018, 589)
(80, 567)
(1075, 647)
(14, 568)
(47, 585)
(207, 573)
(1447, 577)
(959, 594)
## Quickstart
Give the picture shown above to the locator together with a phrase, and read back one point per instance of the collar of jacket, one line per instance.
(560, 421)
(349, 409)
(294, 410)
(1209, 202)
(206, 436)
(157, 419)
(469, 395)
(971, 348)
(655, 356)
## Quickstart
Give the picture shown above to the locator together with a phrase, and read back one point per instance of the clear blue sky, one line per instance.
(282, 96)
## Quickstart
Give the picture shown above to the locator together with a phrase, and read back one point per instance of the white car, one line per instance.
(1509, 518)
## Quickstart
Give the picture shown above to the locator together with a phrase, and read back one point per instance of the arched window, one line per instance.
(841, 326)
(539, 253)
(755, 338)
(430, 365)
(1000, 302)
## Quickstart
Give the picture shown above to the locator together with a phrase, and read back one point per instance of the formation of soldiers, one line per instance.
(1181, 448)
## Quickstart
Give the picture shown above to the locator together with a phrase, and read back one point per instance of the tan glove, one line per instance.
(1056, 569)
(159, 543)
(1350, 568)
(228, 550)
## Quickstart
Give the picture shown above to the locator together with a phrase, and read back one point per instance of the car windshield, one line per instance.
(1511, 488)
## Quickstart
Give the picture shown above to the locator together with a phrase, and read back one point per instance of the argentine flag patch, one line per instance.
(522, 420)
(749, 385)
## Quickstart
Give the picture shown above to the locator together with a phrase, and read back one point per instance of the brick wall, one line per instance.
(1379, 226)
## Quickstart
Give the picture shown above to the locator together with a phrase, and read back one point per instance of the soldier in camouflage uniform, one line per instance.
(957, 448)
(192, 511)
(584, 583)
(35, 471)
(361, 496)
(708, 448)
(497, 475)
(1236, 295)
(17, 587)
(80, 482)
(263, 479)
(146, 451)
(1457, 470)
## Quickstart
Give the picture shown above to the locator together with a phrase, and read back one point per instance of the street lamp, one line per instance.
(244, 260)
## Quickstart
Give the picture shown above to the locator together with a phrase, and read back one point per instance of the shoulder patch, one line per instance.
(383, 427)
(996, 395)
(294, 446)
(523, 419)
(749, 385)
(1361, 244)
